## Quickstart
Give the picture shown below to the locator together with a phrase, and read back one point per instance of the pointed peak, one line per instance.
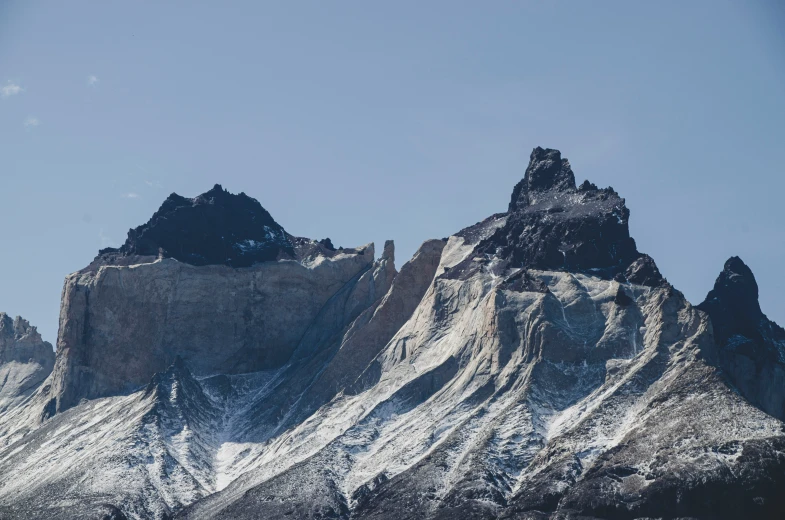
(736, 282)
(389, 251)
(736, 266)
(547, 171)
(733, 301)
(327, 243)
(176, 371)
(644, 271)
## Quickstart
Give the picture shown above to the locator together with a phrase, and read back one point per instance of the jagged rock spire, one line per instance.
(749, 345)
(546, 171)
(552, 224)
(733, 302)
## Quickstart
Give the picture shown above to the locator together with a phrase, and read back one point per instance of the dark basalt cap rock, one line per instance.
(546, 171)
(216, 227)
(554, 225)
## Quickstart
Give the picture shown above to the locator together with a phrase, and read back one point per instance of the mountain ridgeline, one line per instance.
(534, 365)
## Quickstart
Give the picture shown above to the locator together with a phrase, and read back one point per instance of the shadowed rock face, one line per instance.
(216, 227)
(751, 348)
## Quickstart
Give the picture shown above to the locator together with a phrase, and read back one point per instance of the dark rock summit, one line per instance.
(546, 171)
(733, 303)
(751, 348)
(216, 227)
(554, 225)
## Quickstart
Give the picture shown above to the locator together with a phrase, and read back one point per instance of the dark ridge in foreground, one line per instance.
(216, 227)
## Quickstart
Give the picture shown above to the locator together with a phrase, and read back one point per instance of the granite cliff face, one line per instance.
(534, 365)
(213, 280)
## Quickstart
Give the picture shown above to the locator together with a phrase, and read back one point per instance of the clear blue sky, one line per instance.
(364, 121)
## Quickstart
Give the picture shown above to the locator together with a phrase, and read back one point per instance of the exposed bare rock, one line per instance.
(120, 325)
(216, 227)
(751, 348)
(378, 324)
(534, 366)
(25, 360)
(552, 224)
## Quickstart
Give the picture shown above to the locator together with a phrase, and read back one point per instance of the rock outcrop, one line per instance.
(533, 366)
(25, 360)
(216, 227)
(553, 224)
(750, 347)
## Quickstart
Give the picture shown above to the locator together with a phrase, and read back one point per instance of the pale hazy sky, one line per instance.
(364, 121)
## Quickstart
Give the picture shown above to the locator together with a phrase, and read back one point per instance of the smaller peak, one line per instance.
(736, 286)
(644, 271)
(176, 371)
(327, 243)
(587, 186)
(547, 171)
(17, 327)
(735, 265)
(389, 250)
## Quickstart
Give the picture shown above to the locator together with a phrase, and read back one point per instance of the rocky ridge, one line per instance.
(26, 360)
(534, 365)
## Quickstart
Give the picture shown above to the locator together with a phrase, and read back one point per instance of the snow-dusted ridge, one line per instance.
(507, 372)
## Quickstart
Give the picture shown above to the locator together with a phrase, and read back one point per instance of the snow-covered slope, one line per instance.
(534, 365)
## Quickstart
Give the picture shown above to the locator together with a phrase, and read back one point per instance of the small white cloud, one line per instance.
(153, 184)
(31, 122)
(130, 195)
(10, 89)
(92, 80)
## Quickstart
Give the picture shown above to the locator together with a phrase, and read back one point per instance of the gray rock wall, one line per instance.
(122, 324)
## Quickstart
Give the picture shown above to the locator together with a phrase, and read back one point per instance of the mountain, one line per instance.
(534, 365)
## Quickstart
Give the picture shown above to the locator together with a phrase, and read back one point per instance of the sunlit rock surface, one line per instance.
(534, 365)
